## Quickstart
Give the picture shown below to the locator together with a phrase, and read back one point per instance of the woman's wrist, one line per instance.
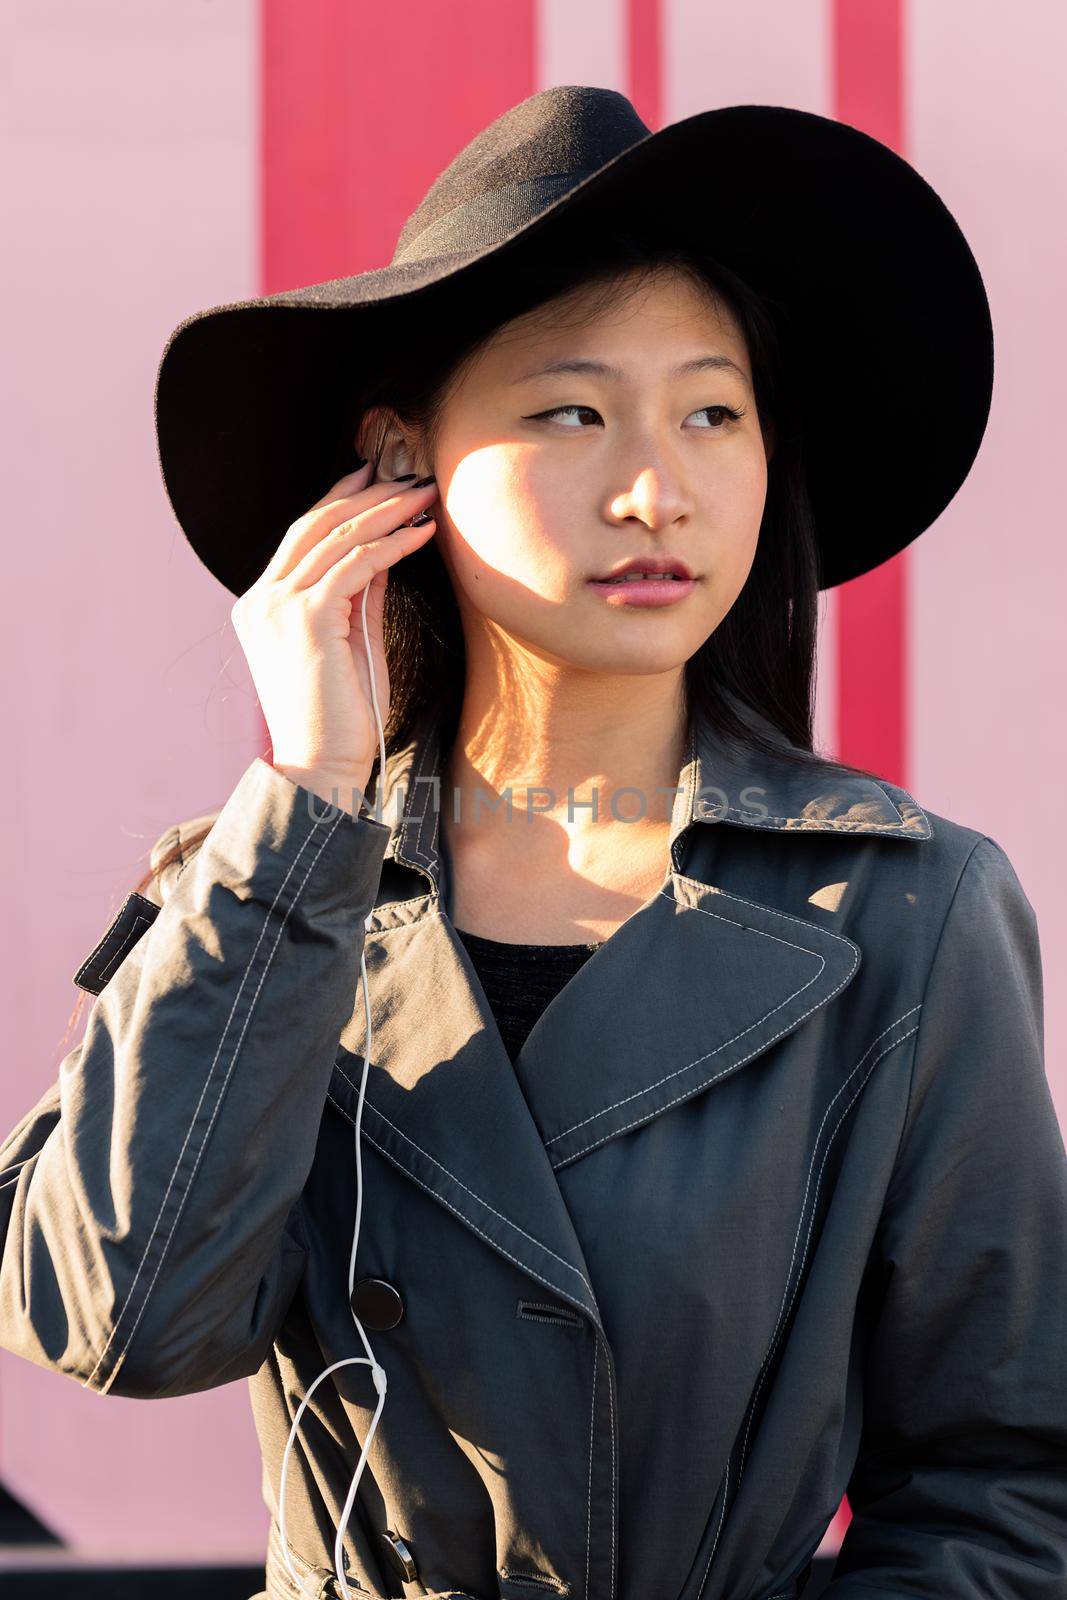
(344, 790)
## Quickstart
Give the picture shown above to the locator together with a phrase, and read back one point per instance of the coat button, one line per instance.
(376, 1303)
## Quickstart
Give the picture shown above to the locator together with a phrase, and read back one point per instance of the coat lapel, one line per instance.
(694, 985)
(443, 1102)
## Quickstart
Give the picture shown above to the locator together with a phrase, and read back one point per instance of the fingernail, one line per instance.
(422, 483)
(423, 517)
(403, 478)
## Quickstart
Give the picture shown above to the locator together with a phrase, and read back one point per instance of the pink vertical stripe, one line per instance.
(872, 618)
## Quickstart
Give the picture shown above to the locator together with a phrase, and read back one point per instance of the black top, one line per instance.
(520, 979)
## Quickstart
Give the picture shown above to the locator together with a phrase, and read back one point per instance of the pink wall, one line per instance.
(134, 165)
(989, 128)
(130, 152)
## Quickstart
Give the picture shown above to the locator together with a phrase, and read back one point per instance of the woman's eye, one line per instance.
(559, 411)
(727, 413)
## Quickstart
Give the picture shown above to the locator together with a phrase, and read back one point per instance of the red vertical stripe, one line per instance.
(868, 91)
(872, 701)
(361, 106)
(645, 60)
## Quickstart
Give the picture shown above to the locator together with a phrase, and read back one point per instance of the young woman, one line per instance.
(695, 1080)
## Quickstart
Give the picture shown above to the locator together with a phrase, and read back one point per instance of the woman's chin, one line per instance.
(636, 658)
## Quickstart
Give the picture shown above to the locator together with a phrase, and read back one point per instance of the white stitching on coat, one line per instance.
(765, 1367)
(441, 1167)
(435, 736)
(420, 772)
(118, 956)
(463, 1216)
(237, 1049)
(726, 1042)
(686, 1092)
(718, 1530)
(110, 928)
(691, 758)
(783, 1310)
(427, 744)
(893, 803)
(589, 1490)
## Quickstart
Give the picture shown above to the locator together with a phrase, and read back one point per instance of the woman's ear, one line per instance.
(394, 455)
(381, 437)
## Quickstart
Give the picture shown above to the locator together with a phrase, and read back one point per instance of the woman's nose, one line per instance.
(656, 497)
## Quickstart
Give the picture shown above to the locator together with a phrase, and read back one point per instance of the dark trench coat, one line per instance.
(770, 1208)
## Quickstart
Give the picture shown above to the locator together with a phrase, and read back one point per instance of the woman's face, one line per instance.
(548, 480)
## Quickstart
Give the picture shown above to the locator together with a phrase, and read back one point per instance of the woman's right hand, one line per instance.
(301, 630)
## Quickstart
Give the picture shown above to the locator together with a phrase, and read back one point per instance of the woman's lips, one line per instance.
(644, 591)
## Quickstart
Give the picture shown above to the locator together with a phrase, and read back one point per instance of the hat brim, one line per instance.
(887, 327)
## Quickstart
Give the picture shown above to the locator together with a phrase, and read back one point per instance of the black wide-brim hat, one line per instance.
(889, 336)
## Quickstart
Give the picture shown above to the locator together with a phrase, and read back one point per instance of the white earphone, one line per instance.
(377, 1372)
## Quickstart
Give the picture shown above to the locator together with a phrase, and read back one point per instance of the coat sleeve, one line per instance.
(960, 1487)
(150, 1203)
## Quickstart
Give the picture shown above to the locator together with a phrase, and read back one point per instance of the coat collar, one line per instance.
(489, 1138)
(718, 782)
